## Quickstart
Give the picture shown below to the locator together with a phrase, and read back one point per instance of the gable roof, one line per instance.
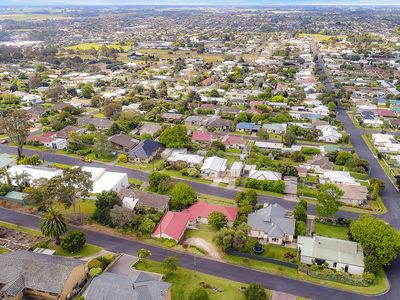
(133, 286)
(265, 175)
(123, 140)
(340, 251)
(202, 136)
(214, 163)
(25, 269)
(202, 210)
(145, 149)
(172, 224)
(231, 139)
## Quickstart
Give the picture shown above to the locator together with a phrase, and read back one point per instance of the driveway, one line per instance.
(282, 296)
(123, 264)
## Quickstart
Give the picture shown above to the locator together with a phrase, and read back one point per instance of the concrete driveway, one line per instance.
(282, 296)
(123, 265)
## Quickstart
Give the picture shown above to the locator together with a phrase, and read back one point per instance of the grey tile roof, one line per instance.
(39, 271)
(145, 149)
(273, 220)
(135, 286)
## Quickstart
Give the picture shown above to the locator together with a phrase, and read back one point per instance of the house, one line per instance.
(145, 151)
(31, 98)
(275, 128)
(320, 110)
(106, 181)
(172, 226)
(385, 143)
(6, 161)
(196, 120)
(319, 164)
(132, 198)
(191, 160)
(339, 254)
(63, 133)
(272, 224)
(329, 133)
(201, 136)
(50, 140)
(339, 177)
(149, 128)
(135, 285)
(35, 112)
(385, 113)
(122, 142)
(233, 141)
(25, 273)
(220, 124)
(353, 194)
(33, 172)
(172, 117)
(100, 123)
(237, 169)
(200, 211)
(214, 166)
(265, 175)
(247, 127)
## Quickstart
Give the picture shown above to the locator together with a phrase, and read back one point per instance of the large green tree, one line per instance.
(328, 200)
(53, 225)
(175, 137)
(159, 183)
(377, 238)
(217, 219)
(105, 202)
(300, 211)
(182, 196)
(255, 292)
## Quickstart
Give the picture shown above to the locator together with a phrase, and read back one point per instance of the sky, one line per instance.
(196, 2)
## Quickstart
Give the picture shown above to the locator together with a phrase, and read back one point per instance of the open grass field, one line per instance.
(97, 46)
(331, 231)
(184, 281)
(321, 37)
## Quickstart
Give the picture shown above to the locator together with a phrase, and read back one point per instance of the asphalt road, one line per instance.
(212, 267)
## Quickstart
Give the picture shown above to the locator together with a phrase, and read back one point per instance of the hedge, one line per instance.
(266, 185)
(337, 276)
(309, 150)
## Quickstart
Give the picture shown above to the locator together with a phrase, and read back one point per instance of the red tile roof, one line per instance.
(202, 136)
(47, 137)
(385, 113)
(202, 210)
(233, 140)
(173, 224)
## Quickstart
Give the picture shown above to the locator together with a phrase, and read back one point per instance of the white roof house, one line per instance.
(214, 166)
(31, 98)
(321, 109)
(106, 181)
(33, 172)
(385, 143)
(190, 159)
(329, 133)
(236, 169)
(342, 177)
(265, 175)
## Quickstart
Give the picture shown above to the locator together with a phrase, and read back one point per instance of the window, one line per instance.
(334, 265)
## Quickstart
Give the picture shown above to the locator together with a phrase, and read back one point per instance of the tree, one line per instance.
(53, 225)
(288, 170)
(182, 196)
(147, 226)
(170, 264)
(381, 183)
(372, 264)
(73, 183)
(143, 253)
(102, 147)
(159, 183)
(112, 109)
(38, 194)
(289, 138)
(217, 219)
(87, 90)
(300, 211)
(175, 137)
(198, 294)
(301, 228)
(246, 198)
(233, 238)
(129, 120)
(328, 200)
(255, 292)
(120, 216)
(105, 202)
(16, 125)
(74, 241)
(332, 106)
(74, 141)
(377, 238)
(34, 80)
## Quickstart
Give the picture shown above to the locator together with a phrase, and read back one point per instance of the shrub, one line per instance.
(5, 189)
(74, 241)
(309, 150)
(109, 257)
(266, 185)
(42, 244)
(95, 272)
(198, 294)
(123, 158)
(94, 263)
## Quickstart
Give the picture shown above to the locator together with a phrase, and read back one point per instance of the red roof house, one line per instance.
(172, 226)
(203, 136)
(45, 138)
(200, 211)
(233, 141)
(385, 113)
(207, 82)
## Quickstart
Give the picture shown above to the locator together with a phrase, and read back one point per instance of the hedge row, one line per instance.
(265, 185)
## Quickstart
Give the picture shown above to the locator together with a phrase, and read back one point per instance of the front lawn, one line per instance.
(278, 252)
(87, 250)
(85, 207)
(3, 251)
(331, 231)
(184, 281)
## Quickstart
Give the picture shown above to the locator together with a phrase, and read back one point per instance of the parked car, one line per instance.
(4, 142)
(86, 159)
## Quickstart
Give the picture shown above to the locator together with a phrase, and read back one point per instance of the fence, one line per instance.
(264, 259)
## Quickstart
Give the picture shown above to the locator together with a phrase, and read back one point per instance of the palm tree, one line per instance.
(53, 225)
